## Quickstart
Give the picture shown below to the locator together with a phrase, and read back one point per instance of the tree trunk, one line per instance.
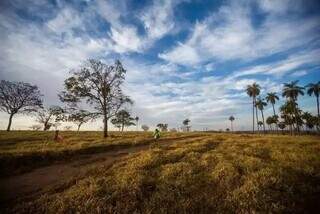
(257, 118)
(253, 115)
(274, 114)
(122, 127)
(256, 113)
(297, 123)
(105, 126)
(318, 119)
(231, 126)
(264, 128)
(79, 127)
(274, 111)
(10, 121)
(318, 106)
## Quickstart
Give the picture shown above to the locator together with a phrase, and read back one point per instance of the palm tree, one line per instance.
(231, 118)
(315, 89)
(282, 126)
(275, 120)
(260, 123)
(260, 104)
(308, 120)
(186, 126)
(137, 120)
(269, 121)
(289, 111)
(291, 91)
(253, 91)
(272, 98)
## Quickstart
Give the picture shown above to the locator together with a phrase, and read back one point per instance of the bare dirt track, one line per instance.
(61, 175)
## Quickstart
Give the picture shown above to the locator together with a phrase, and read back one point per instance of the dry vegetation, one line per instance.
(196, 173)
(21, 151)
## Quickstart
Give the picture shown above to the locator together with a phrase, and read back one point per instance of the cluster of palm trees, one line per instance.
(291, 115)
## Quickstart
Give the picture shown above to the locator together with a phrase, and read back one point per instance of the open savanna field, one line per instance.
(196, 172)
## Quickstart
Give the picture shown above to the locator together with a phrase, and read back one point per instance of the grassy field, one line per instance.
(182, 173)
(21, 151)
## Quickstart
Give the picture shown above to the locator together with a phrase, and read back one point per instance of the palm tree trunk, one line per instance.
(10, 122)
(274, 114)
(264, 128)
(231, 126)
(253, 115)
(257, 117)
(318, 106)
(318, 119)
(297, 124)
(274, 111)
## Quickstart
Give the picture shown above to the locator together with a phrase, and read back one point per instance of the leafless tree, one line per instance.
(18, 97)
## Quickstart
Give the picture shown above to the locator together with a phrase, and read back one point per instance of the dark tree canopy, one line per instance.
(145, 128)
(186, 122)
(48, 117)
(123, 119)
(19, 97)
(99, 85)
(79, 117)
(186, 126)
(163, 126)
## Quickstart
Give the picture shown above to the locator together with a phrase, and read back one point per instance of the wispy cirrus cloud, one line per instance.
(230, 34)
(281, 67)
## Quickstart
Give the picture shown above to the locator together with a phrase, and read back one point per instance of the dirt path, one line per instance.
(38, 181)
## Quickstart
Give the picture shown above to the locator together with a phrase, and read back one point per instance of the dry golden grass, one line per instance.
(21, 151)
(212, 173)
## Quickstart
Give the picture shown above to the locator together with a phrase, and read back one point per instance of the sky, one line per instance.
(184, 59)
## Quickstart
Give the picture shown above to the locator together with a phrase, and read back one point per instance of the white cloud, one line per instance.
(158, 19)
(125, 39)
(207, 101)
(299, 73)
(230, 34)
(65, 20)
(110, 10)
(280, 7)
(282, 67)
(182, 54)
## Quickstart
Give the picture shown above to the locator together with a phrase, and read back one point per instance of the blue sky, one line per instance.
(184, 59)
